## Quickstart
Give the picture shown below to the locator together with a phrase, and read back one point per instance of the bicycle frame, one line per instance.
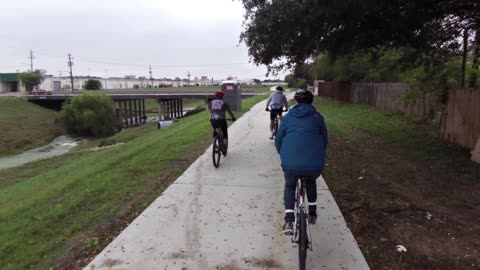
(301, 204)
(276, 123)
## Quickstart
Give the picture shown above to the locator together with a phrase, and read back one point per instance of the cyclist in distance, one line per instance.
(301, 141)
(217, 108)
(276, 101)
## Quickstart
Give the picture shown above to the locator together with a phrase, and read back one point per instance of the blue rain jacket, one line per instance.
(302, 140)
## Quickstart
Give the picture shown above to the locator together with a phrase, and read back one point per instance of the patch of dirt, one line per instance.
(111, 263)
(389, 199)
(229, 266)
(263, 263)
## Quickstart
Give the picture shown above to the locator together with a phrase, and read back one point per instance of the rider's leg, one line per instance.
(225, 134)
(212, 122)
(289, 201)
(289, 196)
(311, 186)
(272, 118)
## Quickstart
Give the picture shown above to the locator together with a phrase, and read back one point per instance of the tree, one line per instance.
(92, 84)
(31, 79)
(298, 30)
(89, 115)
(290, 80)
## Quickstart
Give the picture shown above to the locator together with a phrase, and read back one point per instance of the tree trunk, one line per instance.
(464, 57)
(476, 55)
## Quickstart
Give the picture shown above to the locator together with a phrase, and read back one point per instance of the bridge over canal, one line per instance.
(130, 107)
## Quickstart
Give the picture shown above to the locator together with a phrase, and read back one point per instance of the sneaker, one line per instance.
(271, 137)
(288, 228)
(312, 217)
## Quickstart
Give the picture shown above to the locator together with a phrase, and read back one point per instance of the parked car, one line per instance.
(42, 92)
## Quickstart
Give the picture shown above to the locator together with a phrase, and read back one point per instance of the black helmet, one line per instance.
(303, 96)
(279, 88)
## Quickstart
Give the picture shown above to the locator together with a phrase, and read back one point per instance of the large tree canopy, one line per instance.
(282, 33)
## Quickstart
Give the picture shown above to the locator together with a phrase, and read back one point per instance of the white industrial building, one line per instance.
(9, 82)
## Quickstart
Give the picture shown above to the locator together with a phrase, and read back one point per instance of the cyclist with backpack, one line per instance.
(301, 141)
(276, 101)
(217, 108)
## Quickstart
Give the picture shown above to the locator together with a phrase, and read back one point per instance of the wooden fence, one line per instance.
(335, 90)
(461, 119)
(386, 96)
(390, 97)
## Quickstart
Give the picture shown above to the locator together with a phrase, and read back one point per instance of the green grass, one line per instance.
(50, 208)
(404, 135)
(25, 125)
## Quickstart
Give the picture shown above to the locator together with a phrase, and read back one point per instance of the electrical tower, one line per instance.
(70, 64)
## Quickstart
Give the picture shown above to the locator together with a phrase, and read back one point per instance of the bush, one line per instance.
(92, 84)
(89, 115)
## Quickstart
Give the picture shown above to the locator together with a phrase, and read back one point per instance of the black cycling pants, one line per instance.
(274, 112)
(222, 123)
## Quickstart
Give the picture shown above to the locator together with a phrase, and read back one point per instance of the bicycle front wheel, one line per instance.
(302, 239)
(216, 152)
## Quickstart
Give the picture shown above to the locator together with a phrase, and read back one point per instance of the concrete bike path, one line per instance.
(230, 217)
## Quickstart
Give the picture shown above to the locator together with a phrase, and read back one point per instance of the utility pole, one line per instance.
(188, 75)
(70, 64)
(151, 78)
(106, 78)
(31, 60)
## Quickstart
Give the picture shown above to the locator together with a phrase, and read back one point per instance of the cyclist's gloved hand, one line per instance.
(267, 109)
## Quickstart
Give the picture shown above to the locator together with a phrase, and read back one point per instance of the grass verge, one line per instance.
(25, 125)
(58, 213)
(397, 181)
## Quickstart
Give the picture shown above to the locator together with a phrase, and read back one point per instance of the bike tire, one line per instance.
(216, 153)
(275, 127)
(302, 240)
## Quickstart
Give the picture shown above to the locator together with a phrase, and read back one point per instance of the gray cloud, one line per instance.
(124, 37)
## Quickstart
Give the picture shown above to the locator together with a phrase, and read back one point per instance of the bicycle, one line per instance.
(301, 232)
(218, 145)
(276, 122)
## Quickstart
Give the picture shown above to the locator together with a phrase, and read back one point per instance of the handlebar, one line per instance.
(268, 110)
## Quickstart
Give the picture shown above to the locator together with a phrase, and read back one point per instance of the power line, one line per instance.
(91, 60)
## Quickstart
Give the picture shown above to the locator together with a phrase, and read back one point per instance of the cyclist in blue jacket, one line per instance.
(301, 141)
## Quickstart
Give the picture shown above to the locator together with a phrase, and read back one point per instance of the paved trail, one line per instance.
(230, 217)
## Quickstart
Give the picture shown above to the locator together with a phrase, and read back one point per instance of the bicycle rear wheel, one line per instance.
(302, 239)
(275, 126)
(216, 152)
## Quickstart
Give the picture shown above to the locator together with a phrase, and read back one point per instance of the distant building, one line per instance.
(9, 82)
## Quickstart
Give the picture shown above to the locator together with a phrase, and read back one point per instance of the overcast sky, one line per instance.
(124, 37)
